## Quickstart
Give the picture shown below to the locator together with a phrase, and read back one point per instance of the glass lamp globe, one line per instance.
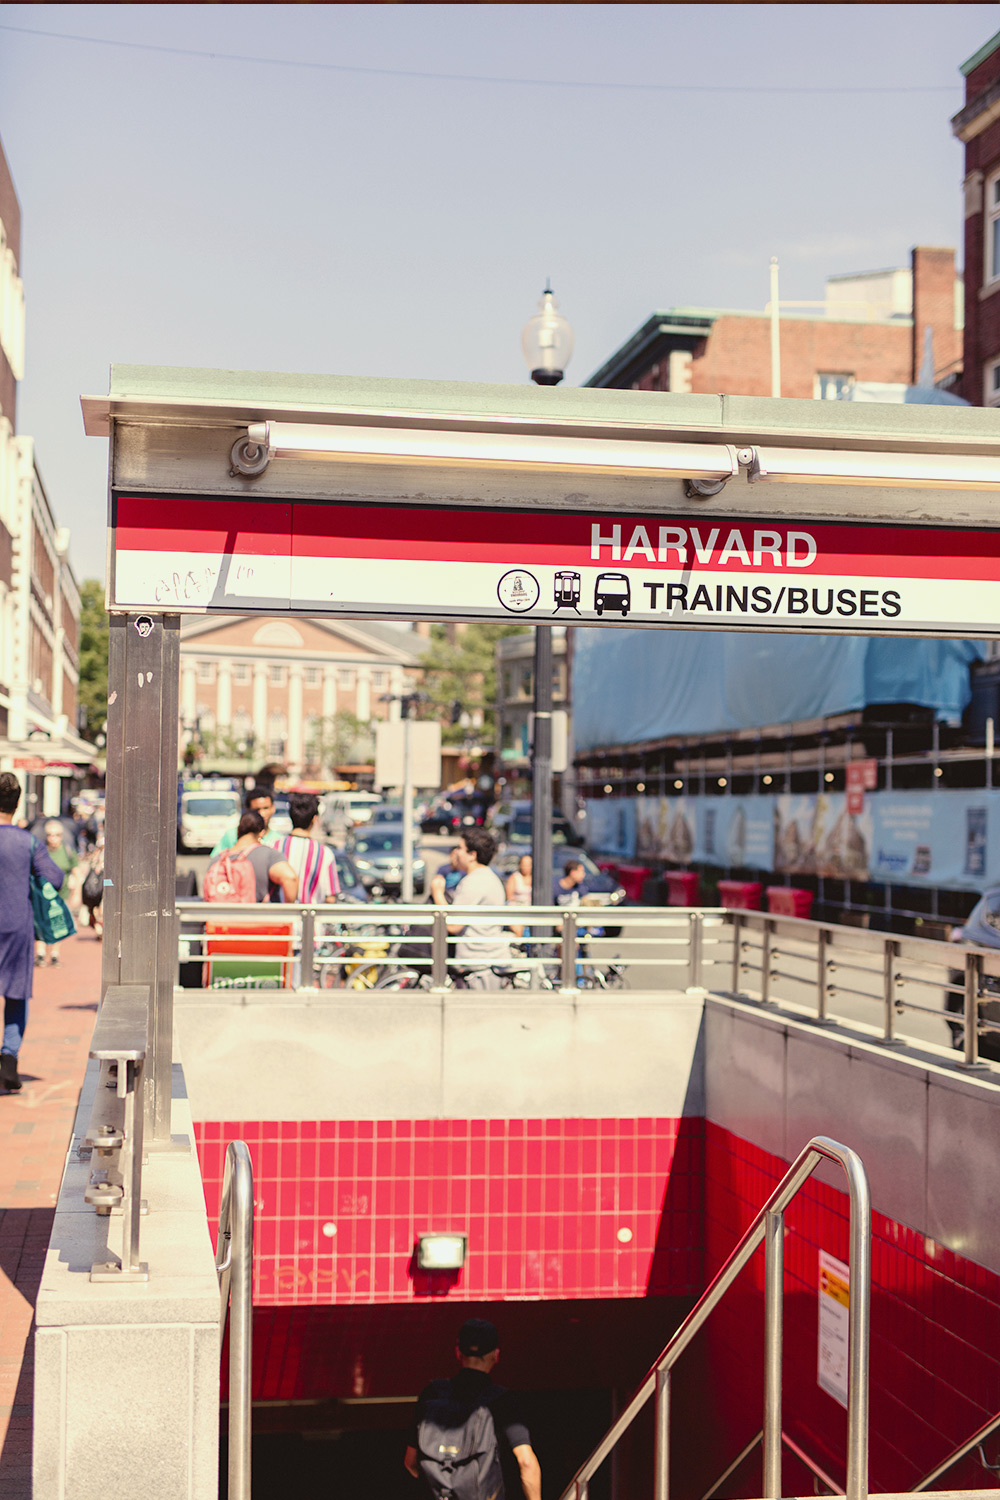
(547, 342)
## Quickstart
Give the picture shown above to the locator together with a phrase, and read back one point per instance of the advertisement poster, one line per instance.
(935, 838)
(834, 1317)
(666, 828)
(736, 832)
(815, 834)
(609, 826)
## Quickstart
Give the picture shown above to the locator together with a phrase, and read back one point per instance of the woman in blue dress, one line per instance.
(19, 853)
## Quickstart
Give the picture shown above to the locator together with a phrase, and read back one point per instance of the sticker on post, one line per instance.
(144, 625)
(518, 590)
(834, 1322)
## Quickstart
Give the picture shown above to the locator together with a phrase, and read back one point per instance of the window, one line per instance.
(206, 671)
(991, 383)
(831, 386)
(312, 676)
(527, 684)
(345, 677)
(991, 225)
(378, 679)
(276, 675)
(241, 671)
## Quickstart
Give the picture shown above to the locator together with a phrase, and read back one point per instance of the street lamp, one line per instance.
(547, 342)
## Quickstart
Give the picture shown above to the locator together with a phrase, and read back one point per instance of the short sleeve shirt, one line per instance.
(476, 1388)
(261, 860)
(481, 943)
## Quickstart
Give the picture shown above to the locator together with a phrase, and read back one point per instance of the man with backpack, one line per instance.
(249, 871)
(469, 1441)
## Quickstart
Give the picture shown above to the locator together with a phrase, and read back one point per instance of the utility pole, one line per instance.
(541, 772)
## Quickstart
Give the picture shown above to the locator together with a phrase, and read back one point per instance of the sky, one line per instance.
(384, 189)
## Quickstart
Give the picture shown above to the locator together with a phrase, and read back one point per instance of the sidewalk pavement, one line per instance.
(35, 1128)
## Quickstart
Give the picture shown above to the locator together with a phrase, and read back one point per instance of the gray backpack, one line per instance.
(457, 1450)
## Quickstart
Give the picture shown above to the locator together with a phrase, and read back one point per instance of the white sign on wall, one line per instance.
(834, 1321)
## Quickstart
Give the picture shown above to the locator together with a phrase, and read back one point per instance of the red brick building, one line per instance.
(869, 330)
(977, 125)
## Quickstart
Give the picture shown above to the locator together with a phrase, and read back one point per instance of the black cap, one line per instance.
(478, 1336)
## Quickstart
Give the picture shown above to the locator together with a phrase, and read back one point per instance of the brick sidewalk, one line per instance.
(35, 1128)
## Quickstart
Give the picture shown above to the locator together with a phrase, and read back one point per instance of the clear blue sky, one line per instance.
(199, 211)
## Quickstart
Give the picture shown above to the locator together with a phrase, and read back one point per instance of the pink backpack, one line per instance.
(231, 879)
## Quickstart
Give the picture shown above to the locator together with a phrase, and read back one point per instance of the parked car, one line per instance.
(605, 890)
(449, 815)
(511, 822)
(388, 815)
(378, 855)
(341, 811)
(982, 928)
(352, 886)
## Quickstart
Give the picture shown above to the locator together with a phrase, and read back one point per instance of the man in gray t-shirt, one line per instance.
(481, 942)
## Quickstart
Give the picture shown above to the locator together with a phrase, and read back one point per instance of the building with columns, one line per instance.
(268, 688)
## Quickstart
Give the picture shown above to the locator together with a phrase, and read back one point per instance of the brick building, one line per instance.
(39, 599)
(260, 688)
(977, 126)
(870, 330)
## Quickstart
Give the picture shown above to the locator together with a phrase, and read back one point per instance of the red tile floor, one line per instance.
(35, 1128)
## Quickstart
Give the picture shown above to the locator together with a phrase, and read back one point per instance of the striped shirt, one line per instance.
(314, 864)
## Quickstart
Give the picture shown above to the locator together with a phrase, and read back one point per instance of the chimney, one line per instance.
(934, 308)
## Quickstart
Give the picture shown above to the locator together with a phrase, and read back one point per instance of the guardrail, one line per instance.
(234, 1264)
(825, 970)
(114, 1131)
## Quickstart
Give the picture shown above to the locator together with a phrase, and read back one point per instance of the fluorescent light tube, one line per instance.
(495, 449)
(971, 471)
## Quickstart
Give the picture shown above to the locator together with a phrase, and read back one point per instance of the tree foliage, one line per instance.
(462, 670)
(93, 693)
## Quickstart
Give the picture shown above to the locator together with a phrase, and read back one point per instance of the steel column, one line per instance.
(774, 1279)
(541, 772)
(661, 1481)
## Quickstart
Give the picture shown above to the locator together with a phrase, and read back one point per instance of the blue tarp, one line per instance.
(633, 685)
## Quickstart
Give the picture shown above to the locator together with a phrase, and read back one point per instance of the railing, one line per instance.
(365, 947)
(975, 1441)
(768, 1229)
(792, 1447)
(234, 1263)
(114, 1131)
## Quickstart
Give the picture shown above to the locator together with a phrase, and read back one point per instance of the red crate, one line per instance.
(631, 878)
(683, 887)
(740, 895)
(789, 901)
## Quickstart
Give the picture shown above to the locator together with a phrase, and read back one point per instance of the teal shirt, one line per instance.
(228, 839)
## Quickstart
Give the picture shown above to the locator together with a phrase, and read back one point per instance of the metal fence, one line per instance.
(893, 987)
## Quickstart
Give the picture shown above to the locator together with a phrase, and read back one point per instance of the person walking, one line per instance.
(21, 854)
(518, 888)
(274, 877)
(312, 860)
(469, 1438)
(259, 799)
(63, 856)
(482, 946)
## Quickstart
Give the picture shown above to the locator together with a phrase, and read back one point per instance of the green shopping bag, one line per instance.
(53, 920)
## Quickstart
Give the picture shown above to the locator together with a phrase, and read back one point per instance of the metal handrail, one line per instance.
(979, 1436)
(792, 1447)
(768, 1228)
(234, 1252)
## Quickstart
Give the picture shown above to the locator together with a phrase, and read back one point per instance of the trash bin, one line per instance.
(789, 901)
(630, 878)
(252, 970)
(683, 887)
(740, 895)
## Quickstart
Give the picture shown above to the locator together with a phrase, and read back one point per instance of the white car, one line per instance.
(204, 817)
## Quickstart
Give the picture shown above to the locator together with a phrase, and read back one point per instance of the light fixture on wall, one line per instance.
(441, 1252)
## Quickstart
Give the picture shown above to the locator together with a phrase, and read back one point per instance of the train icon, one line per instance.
(567, 590)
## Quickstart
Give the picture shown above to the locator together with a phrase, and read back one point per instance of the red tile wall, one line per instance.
(542, 1202)
(935, 1333)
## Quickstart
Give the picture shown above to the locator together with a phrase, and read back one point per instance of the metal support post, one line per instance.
(821, 945)
(973, 970)
(765, 961)
(568, 951)
(737, 926)
(307, 974)
(661, 1481)
(407, 892)
(694, 949)
(439, 949)
(889, 990)
(858, 1330)
(140, 936)
(541, 772)
(774, 1277)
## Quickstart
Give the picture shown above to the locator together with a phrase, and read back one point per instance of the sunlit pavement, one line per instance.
(35, 1128)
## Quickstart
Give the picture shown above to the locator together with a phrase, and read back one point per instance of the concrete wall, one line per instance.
(929, 1135)
(384, 1055)
(127, 1376)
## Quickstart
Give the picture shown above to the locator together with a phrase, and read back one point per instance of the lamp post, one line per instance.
(547, 342)
(409, 705)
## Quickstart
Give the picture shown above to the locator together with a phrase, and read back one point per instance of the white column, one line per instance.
(293, 747)
(224, 697)
(364, 698)
(260, 709)
(189, 692)
(329, 692)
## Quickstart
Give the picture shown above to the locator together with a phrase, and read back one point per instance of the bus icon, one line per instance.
(612, 591)
(567, 589)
